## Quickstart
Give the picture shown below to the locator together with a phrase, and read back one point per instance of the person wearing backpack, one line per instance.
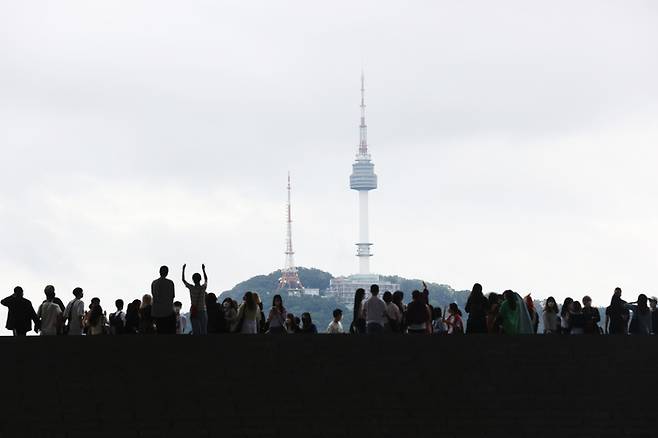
(118, 319)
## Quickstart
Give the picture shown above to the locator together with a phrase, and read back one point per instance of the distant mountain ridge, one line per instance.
(267, 284)
(322, 307)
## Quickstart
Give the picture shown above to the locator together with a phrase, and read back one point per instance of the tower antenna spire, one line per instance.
(363, 128)
(289, 276)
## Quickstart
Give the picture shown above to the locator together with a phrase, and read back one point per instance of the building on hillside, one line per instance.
(342, 288)
(307, 292)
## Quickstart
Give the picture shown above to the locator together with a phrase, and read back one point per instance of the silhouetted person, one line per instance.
(55, 300)
(576, 319)
(493, 322)
(454, 322)
(230, 314)
(509, 314)
(438, 327)
(398, 300)
(418, 316)
(262, 326)
(181, 320)
(616, 315)
(198, 311)
(476, 307)
(248, 315)
(118, 319)
(335, 326)
(358, 325)
(132, 318)
(162, 310)
(393, 315)
(532, 313)
(653, 304)
(565, 313)
(374, 312)
(74, 313)
(307, 325)
(292, 324)
(21, 313)
(146, 323)
(551, 318)
(592, 317)
(95, 321)
(276, 319)
(641, 321)
(50, 315)
(215, 314)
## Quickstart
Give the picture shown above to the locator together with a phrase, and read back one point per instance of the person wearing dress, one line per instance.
(248, 315)
(476, 307)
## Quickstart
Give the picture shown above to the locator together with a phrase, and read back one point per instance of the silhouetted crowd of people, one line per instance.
(158, 313)
(506, 313)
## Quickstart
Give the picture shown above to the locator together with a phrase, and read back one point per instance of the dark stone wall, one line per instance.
(329, 386)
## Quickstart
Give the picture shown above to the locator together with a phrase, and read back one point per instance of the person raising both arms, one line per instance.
(198, 314)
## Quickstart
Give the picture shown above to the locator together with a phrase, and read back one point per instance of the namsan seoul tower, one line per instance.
(363, 179)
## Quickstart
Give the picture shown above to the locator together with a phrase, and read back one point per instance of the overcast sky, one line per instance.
(515, 142)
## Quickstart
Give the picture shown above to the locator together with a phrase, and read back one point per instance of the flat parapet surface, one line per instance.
(329, 386)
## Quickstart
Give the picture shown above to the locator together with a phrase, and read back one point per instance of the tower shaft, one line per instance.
(363, 247)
